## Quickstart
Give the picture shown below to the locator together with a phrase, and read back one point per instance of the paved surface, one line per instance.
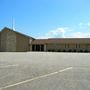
(44, 71)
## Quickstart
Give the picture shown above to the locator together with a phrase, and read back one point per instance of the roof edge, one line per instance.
(16, 32)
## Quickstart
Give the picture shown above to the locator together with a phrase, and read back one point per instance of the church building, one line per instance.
(13, 41)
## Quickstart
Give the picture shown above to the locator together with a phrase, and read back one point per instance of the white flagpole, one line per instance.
(13, 24)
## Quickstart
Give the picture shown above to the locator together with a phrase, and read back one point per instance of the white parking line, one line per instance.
(14, 65)
(39, 77)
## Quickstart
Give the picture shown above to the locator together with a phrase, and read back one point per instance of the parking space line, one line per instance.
(14, 65)
(39, 77)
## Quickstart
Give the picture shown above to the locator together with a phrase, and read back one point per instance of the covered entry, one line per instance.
(38, 47)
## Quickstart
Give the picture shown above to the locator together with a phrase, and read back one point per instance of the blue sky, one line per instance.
(47, 18)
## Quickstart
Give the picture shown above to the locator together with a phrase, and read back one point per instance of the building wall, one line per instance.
(67, 47)
(8, 40)
(22, 43)
(3, 40)
(11, 41)
(56, 47)
(30, 43)
(88, 46)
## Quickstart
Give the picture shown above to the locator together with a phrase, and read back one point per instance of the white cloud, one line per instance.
(84, 25)
(67, 32)
(88, 24)
(64, 33)
(57, 33)
(79, 35)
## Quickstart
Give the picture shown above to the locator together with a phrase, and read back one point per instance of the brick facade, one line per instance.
(12, 41)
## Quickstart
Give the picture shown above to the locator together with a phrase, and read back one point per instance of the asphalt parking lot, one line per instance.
(44, 71)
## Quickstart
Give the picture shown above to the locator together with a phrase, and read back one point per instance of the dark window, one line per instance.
(33, 47)
(37, 47)
(42, 47)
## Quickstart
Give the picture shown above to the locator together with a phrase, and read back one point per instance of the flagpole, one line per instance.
(13, 24)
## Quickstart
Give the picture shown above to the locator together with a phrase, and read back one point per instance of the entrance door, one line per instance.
(37, 47)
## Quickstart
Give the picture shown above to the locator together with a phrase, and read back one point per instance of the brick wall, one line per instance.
(67, 47)
(3, 40)
(11, 41)
(8, 40)
(22, 43)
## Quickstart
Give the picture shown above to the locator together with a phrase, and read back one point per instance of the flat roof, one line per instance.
(61, 40)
